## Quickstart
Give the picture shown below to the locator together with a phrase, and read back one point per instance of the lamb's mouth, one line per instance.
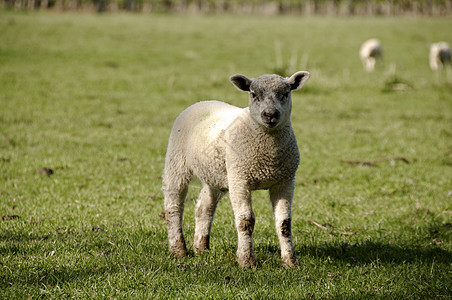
(271, 124)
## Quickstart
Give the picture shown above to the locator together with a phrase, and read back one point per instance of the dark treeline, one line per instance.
(265, 7)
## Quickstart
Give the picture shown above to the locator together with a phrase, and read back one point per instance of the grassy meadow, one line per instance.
(92, 98)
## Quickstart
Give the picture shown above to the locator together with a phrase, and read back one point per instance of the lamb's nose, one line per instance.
(270, 117)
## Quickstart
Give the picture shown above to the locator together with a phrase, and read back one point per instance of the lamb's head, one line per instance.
(270, 101)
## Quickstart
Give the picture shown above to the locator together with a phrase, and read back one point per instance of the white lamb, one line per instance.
(236, 150)
(370, 52)
(439, 55)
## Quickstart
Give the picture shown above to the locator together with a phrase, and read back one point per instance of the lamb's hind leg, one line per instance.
(175, 189)
(205, 210)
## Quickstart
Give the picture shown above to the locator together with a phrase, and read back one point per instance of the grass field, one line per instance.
(93, 98)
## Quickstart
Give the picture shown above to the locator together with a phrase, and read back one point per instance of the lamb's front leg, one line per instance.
(244, 221)
(281, 197)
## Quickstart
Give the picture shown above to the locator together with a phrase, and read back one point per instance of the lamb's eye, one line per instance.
(285, 96)
(254, 96)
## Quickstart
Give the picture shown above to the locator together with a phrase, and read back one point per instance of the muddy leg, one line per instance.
(281, 197)
(205, 211)
(244, 222)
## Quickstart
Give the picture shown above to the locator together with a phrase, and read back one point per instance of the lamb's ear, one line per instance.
(298, 79)
(241, 82)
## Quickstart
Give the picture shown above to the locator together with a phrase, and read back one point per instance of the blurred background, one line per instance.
(267, 7)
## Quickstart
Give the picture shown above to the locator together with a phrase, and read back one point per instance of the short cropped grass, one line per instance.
(92, 98)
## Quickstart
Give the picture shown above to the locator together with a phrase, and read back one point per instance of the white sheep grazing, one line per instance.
(370, 52)
(439, 55)
(236, 150)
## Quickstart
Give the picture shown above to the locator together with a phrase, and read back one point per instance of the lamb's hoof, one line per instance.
(290, 262)
(247, 262)
(179, 249)
(200, 250)
(201, 245)
(180, 254)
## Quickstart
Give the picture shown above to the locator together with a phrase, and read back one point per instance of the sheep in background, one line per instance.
(370, 52)
(439, 55)
(236, 150)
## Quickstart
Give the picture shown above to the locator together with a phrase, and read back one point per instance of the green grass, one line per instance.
(93, 97)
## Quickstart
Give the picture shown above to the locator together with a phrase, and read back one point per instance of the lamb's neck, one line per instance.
(273, 133)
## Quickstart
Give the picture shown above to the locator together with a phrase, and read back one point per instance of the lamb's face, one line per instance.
(270, 102)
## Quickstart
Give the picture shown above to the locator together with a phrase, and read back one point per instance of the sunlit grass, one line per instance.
(93, 98)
